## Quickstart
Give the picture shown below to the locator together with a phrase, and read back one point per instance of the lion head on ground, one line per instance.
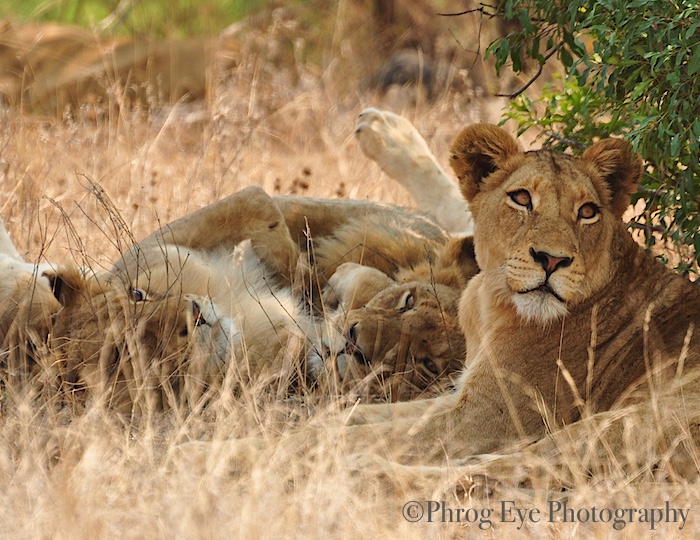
(130, 346)
(403, 344)
(396, 338)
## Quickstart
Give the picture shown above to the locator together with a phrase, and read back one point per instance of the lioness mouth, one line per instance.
(351, 346)
(545, 289)
(357, 354)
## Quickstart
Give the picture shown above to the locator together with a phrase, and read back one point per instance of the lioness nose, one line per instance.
(550, 263)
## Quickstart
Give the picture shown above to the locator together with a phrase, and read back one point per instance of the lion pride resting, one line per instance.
(570, 324)
(220, 283)
(384, 285)
(395, 274)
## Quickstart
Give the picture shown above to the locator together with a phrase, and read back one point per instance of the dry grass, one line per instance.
(67, 474)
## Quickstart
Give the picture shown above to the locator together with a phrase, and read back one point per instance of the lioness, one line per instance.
(392, 348)
(568, 321)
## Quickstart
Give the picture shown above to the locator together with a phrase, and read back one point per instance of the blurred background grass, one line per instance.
(157, 18)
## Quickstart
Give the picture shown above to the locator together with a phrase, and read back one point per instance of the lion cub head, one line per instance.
(406, 342)
(389, 340)
(545, 221)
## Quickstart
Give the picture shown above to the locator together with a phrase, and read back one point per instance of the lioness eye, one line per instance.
(430, 365)
(588, 211)
(408, 301)
(137, 295)
(521, 198)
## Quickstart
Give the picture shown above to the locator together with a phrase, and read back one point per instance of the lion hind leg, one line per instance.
(249, 214)
(401, 152)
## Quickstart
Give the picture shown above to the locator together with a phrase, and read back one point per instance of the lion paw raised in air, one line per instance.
(396, 146)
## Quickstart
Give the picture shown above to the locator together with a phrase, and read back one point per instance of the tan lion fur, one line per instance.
(254, 262)
(50, 67)
(144, 350)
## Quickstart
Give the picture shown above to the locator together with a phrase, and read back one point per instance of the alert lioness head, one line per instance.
(546, 221)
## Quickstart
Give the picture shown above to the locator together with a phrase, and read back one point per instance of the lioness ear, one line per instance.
(463, 256)
(619, 167)
(65, 284)
(197, 317)
(478, 151)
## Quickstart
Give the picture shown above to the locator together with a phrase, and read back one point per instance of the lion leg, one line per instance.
(615, 442)
(401, 152)
(317, 218)
(249, 214)
(353, 285)
(223, 224)
(405, 411)
(422, 481)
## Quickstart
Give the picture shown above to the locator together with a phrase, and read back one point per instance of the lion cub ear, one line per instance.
(478, 151)
(620, 169)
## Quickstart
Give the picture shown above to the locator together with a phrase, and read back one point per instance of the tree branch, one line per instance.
(481, 10)
(570, 142)
(536, 76)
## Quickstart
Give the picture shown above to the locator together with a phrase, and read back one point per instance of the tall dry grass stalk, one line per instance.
(82, 190)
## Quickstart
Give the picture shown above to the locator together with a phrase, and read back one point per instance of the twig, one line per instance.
(536, 76)
(481, 10)
(561, 138)
(652, 192)
(118, 15)
(648, 227)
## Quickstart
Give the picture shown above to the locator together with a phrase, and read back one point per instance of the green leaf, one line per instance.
(641, 80)
(515, 58)
(694, 62)
(640, 89)
(565, 57)
(524, 18)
